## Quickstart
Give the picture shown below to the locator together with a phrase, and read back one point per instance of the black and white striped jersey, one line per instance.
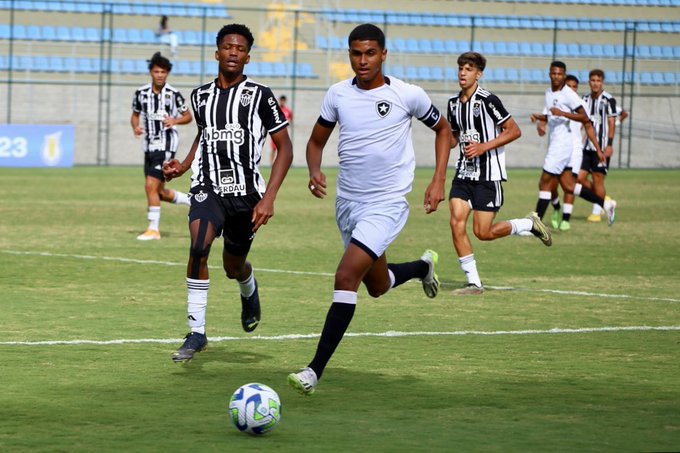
(233, 124)
(599, 110)
(478, 120)
(153, 108)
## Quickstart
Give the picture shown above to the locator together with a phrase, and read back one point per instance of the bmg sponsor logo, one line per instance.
(232, 133)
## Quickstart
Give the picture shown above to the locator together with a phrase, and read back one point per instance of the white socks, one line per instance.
(181, 198)
(469, 266)
(519, 226)
(344, 297)
(154, 216)
(197, 303)
(247, 286)
(597, 209)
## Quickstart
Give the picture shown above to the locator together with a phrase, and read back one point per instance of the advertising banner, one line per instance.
(36, 145)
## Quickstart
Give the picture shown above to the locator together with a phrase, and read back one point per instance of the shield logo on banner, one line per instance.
(246, 97)
(383, 108)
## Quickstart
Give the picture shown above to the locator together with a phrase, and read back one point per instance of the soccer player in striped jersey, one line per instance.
(229, 197)
(481, 126)
(601, 107)
(377, 164)
(157, 108)
(561, 106)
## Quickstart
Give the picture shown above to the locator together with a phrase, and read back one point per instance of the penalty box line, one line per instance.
(327, 274)
(388, 334)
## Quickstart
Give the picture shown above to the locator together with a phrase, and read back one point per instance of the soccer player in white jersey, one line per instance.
(160, 108)
(562, 222)
(229, 197)
(562, 105)
(481, 126)
(601, 107)
(377, 164)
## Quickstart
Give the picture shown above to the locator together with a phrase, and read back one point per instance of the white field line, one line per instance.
(388, 334)
(327, 274)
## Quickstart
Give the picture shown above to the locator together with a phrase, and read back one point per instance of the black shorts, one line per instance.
(591, 163)
(230, 216)
(153, 163)
(481, 195)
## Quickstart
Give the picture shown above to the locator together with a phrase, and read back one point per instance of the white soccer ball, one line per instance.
(255, 408)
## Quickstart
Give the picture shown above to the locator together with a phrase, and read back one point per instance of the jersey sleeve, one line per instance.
(270, 112)
(136, 103)
(611, 107)
(200, 121)
(498, 111)
(328, 116)
(180, 102)
(572, 100)
(451, 115)
(422, 108)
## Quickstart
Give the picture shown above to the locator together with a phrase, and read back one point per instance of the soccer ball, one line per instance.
(255, 408)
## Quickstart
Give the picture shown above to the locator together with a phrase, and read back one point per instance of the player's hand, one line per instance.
(601, 156)
(172, 169)
(473, 150)
(540, 128)
(534, 117)
(608, 151)
(168, 122)
(138, 131)
(317, 184)
(264, 210)
(434, 194)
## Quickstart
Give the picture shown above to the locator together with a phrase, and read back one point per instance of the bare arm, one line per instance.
(174, 169)
(434, 193)
(317, 141)
(509, 132)
(134, 122)
(184, 118)
(538, 117)
(611, 133)
(264, 209)
(580, 115)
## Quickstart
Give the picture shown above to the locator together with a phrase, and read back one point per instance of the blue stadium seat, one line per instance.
(525, 75)
(4, 63)
(49, 33)
(127, 66)
(4, 31)
(585, 50)
(438, 46)
(120, 35)
(538, 76)
(134, 36)
(451, 46)
(411, 73)
(68, 34)
(525, 48)
(84, 65)
(513, 48)
(451, 74)
(667, 52)
(40, 63)
(412, 45)
(501, 48)
(537, 49)
(488, 48)
(655, 52)
(512, 75)
(425, 46)
(499, 75)
(598, 50)
(657, 78)
(280, 70)
(670, 78)
(337, 43)
(56, 64)
(676, 52)
(424, 73)
(266, 69)
(196, 67)
(92, 34)
(437, 74)
(305, 70)
(34, 32)
(322, 42)
(183, 67)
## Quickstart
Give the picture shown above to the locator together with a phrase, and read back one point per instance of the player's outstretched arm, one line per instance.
(434, 193)
(315, 145)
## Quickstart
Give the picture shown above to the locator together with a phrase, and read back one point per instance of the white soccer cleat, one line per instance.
(304, 381)
(539, 230)
(149, 235)
(610, 209)
(431, 281)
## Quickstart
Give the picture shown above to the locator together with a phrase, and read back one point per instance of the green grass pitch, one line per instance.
(484, 373)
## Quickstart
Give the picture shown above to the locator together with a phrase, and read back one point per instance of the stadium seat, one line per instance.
(120, 35)
(412, 45)
(266, 69)
(424, 73)
(538, 76)
(397, 71)
(411, 73)
(183, 67)
(56, 64)
(400, 44)
(322, 42)
(438, 46)
(4, 64)
(134, 36)
(279, 70)
(425, 46)
(49, 33)
(512, 48)
(585, 50)
(512, 75)
(669, 78)
(667, 52)
(92, 34)
(646, 78)
(67, 34)
(655, 52)
(33, 32)
(437, 74)
(657, 78)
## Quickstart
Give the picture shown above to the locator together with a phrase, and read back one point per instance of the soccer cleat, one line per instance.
(149, 235)
(193, 342)
(539, 230)
(250, 311)
(593, 218)
(564, 226)
(304, 381)
(610, 209)
(431, 281)
(468, 290)
(556, 219)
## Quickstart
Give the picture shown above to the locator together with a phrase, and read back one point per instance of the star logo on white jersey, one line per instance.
(383, 108)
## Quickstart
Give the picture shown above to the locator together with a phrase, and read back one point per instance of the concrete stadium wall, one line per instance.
(655, 141)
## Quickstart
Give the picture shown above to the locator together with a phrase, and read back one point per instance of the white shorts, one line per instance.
(576, 158)
(374, 225)
(557, 159)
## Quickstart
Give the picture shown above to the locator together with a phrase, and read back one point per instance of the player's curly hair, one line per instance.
(235, 29)
(159, 60)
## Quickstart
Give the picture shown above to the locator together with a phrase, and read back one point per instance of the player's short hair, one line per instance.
(596, 72)
(159, 60)
(475, 59)
(571, 77)
(558, 64)
(283, 98)
(235, 29)
(367, 32)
